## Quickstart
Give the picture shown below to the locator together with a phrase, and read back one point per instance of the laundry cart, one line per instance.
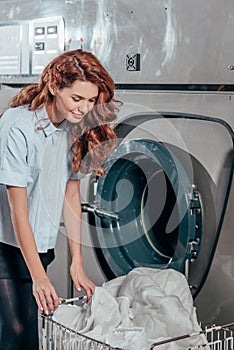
(57, 336)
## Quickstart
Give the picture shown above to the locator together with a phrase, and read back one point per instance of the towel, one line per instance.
(136, 310)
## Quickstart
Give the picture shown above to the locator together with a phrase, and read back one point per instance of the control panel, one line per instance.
(26, 47)
(47, 42)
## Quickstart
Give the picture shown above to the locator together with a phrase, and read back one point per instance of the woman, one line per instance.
(55, 132)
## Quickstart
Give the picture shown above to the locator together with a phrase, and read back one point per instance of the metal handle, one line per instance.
(100, 212)
(83, 298)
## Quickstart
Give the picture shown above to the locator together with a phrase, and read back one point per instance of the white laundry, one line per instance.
(133, 311)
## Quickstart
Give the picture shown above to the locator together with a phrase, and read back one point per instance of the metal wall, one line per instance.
(182, 41)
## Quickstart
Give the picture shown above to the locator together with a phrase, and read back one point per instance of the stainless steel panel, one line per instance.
(211, 104)
(216, 300)
(181, 41)
(10, 54)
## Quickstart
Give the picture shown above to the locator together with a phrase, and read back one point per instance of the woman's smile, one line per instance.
(78, 115)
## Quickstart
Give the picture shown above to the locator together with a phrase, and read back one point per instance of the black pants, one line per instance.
(18, 308)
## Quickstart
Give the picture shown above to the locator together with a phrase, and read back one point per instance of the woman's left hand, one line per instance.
(81, 280)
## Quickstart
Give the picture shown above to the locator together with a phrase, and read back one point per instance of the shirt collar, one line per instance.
(44, 123)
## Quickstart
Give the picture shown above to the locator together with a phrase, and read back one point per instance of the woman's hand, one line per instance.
(81, 280)
(45, 294)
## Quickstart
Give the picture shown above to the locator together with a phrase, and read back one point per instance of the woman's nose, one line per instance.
(83, 106)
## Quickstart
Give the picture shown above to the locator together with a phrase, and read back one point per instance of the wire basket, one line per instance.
(56, 336)
(217, 338)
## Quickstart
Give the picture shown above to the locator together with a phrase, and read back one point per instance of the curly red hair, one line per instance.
(93, 138)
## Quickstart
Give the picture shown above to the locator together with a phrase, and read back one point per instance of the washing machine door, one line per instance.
(149, 210)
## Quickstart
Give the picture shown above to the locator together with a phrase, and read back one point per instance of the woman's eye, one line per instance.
(93, 100)
(76, 98)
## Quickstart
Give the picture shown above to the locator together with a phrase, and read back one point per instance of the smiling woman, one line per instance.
(55, 132)
(73, 102)
(62, 80)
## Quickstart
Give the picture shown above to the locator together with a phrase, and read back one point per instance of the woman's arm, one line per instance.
(72, 222)
(43, 290)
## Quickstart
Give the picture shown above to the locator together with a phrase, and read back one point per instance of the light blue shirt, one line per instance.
(36, 155)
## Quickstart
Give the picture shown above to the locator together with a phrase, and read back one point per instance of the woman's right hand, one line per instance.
(43, 291)
(45, 294)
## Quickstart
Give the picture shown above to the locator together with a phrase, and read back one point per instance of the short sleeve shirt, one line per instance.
(36, 155)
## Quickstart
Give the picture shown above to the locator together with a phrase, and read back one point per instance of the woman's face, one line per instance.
(73, 102)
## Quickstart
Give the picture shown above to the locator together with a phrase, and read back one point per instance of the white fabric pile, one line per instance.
(133, 311)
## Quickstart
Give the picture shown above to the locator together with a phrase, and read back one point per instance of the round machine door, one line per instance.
(163, 198)
(147, 213)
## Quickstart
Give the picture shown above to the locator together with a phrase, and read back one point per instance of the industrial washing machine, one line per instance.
(162, 202)
(166, 199)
